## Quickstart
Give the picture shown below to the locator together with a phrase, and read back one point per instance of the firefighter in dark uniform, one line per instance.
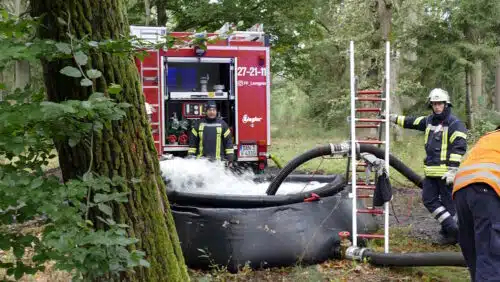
(476, 194)
(211, 138)
(445, 145)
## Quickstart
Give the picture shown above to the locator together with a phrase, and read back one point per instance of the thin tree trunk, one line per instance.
(476, 86)
(468, 110)
(147, 6)
(23, 75)
(1, 81)
(497, 86)
(124, 148)
(161, 7)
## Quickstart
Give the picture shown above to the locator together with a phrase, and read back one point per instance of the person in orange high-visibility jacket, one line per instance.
(476, 195)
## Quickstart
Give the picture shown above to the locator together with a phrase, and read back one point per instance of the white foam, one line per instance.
(205, 177)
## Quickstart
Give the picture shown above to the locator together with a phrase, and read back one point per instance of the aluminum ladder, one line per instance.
(382, 98)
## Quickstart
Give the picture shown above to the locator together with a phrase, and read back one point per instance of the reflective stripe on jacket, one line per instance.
(445, 143)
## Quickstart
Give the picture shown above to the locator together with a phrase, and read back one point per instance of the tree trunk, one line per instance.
(23, 75)
(497, 86)
(468, 110)
(147, 6)
(124, 148)
(476, 86)
(161, 7)
(1, 81)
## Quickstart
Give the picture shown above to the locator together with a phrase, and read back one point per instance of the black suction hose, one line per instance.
(331, 149)
(415, 259)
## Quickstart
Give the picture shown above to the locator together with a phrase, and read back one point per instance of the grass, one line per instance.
(289, 141)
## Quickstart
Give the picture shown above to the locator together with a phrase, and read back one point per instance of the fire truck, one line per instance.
(233, 71)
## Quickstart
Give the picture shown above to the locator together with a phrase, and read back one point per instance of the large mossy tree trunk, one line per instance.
(124, 148)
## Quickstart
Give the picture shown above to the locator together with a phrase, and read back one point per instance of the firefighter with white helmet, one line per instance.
(445, 145)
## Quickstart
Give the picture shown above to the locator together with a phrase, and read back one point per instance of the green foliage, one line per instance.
(29, 125)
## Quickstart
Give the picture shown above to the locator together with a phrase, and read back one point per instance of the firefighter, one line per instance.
(211, 137)
(445, 144)
(476, 194)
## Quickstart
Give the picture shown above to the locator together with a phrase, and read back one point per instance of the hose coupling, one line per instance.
(355, 253)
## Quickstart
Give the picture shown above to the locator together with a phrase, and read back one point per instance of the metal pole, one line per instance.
(387, 136)
(353, 149)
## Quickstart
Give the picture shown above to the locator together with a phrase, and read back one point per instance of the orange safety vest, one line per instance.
(481, 164)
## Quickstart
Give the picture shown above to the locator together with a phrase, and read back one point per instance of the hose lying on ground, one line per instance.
(407, 259)
(340, 149)
(416, 259)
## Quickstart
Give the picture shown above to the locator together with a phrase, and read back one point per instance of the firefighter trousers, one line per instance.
(436, 196)
(478, 211)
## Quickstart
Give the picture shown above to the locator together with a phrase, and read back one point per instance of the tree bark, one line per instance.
(124, 148)
(476, 86)
(161, 7)
(23, 75)
(147, 6)
(497, 86)
(468, 110)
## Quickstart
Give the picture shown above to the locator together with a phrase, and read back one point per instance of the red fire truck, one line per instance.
(234, 71)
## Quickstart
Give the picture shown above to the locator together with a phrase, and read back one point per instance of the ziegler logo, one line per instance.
(251, 120)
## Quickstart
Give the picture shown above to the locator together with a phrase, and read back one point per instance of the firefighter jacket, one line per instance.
(481, 164)
(211, 138)
(445, 140)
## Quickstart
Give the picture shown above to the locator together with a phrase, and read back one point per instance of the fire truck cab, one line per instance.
(233, 71)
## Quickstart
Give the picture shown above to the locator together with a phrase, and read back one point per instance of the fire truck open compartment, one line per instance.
(186, 94)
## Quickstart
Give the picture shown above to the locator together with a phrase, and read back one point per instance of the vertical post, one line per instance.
(387, 136)
(353, 148)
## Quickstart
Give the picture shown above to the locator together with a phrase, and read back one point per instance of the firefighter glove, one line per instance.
(449, 176)
(392, 117)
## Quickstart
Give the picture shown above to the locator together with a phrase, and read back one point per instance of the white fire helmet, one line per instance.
(439, 95)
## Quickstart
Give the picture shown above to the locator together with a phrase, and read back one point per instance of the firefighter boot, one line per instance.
(448, 235)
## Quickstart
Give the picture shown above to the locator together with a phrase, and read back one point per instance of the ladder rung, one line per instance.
(371, 236)
(361, 183)
(371, 211)
(370, 120)
(365, 187)
(369, 110)
(370, 142)
(364, 196)
(370, 92)
(368, 126)
(370, 99)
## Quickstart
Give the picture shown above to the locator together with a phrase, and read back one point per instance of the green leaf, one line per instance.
(114, 88)
(37, 182)
(18, 273)
(93, 44)
(100, 198)
(86, 82)
(92, 74)
(71, 71)
(18, 251)
(72, 142)
(105, 209)
(61, 21)
(81, 58)
(143, 262)
(63, 48)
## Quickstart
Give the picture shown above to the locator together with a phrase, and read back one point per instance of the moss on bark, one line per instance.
(124, 148)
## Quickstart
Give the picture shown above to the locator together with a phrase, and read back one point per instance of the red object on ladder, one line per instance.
(380, 98)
